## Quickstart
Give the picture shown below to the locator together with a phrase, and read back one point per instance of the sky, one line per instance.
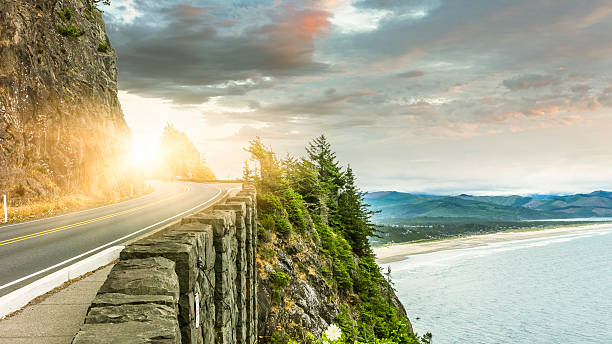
(427, 96)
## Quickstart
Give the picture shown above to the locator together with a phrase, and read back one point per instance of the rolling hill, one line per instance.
(400, 205)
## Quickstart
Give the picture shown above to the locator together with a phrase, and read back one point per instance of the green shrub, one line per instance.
(282, 225)
(280, 337)
(70, 30)
(103, 47)
(65, 15)
(279, 280)
(296, 209)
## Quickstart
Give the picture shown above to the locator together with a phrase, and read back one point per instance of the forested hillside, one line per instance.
(316, 265)
(399, 205)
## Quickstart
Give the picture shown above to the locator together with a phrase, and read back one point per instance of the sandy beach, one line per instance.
(396, 252)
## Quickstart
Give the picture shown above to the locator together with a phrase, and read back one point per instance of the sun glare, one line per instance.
(145, 149)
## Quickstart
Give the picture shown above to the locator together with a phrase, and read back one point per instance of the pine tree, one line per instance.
(354, 215)
(330, 177)
(303, 177)
(270, 173)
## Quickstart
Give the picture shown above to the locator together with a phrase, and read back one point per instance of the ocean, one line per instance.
(545, 290)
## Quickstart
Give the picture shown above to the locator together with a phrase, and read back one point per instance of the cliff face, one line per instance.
(309, 301)
(61, 124)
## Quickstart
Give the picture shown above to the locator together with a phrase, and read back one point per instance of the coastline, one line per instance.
(397, 252)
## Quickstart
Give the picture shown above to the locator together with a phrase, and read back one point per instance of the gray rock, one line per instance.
(61, 124)
(125, 313)
(132, 332)
(179, 249)
(151, 276)
(117, 299)
(219, 220)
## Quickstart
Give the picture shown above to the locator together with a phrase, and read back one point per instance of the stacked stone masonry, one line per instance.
(206, 265)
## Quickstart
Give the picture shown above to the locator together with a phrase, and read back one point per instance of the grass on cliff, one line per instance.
(315, 201)
(70, 30)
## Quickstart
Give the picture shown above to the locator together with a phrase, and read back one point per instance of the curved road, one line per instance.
(31, 250)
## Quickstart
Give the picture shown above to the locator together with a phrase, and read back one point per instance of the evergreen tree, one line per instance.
(303, 177)
(270, 173)
(320, 154)
(354, 215)
(330, 177)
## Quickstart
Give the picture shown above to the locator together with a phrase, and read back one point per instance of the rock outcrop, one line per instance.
(61, 124)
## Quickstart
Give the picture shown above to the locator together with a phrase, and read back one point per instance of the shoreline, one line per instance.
(400, 251)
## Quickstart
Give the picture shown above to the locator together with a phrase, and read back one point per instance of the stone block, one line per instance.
(125, 313)
(218, 219)
(117, 299)
(222, 244)
(179, 249)
(150, 276)
(238, 207)
(132, 332)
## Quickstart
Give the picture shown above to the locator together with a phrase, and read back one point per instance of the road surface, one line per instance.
(31, 250)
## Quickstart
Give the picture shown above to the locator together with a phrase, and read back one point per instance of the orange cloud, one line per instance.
(292, 33)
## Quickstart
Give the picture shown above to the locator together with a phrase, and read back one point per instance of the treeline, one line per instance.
(314, 198)
(180, 157)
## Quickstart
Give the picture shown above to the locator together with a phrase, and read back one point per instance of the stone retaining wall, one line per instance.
(193, 283)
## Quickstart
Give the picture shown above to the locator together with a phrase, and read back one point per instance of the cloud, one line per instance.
(385, 78)
(605, 98)
(580, 88)
(531, 81)
(410, 74)
(182, 52)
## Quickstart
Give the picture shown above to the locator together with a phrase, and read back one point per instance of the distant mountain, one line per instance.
(595, 204)
(394, 204)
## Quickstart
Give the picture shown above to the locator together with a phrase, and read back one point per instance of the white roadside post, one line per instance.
(5, 208)
(131, 190)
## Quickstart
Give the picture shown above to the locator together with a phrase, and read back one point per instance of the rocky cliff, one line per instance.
(61, 124)
(299, 298)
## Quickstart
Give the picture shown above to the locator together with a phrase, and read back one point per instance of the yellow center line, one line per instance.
(82, 223)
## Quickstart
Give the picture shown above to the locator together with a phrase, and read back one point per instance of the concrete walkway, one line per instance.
(55, 319)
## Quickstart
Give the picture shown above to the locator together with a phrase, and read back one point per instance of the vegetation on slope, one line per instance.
(311, 208)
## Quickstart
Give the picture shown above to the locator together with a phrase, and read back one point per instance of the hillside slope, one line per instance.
(505, 208)
(61, 124)
(403, 205)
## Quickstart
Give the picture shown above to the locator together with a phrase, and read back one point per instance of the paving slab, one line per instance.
(57, 317)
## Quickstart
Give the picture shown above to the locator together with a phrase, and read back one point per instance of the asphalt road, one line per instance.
(31, 250)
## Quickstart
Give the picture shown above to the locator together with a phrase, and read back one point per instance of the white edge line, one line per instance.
(19, 298)
(78, 212)
(108, 244)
